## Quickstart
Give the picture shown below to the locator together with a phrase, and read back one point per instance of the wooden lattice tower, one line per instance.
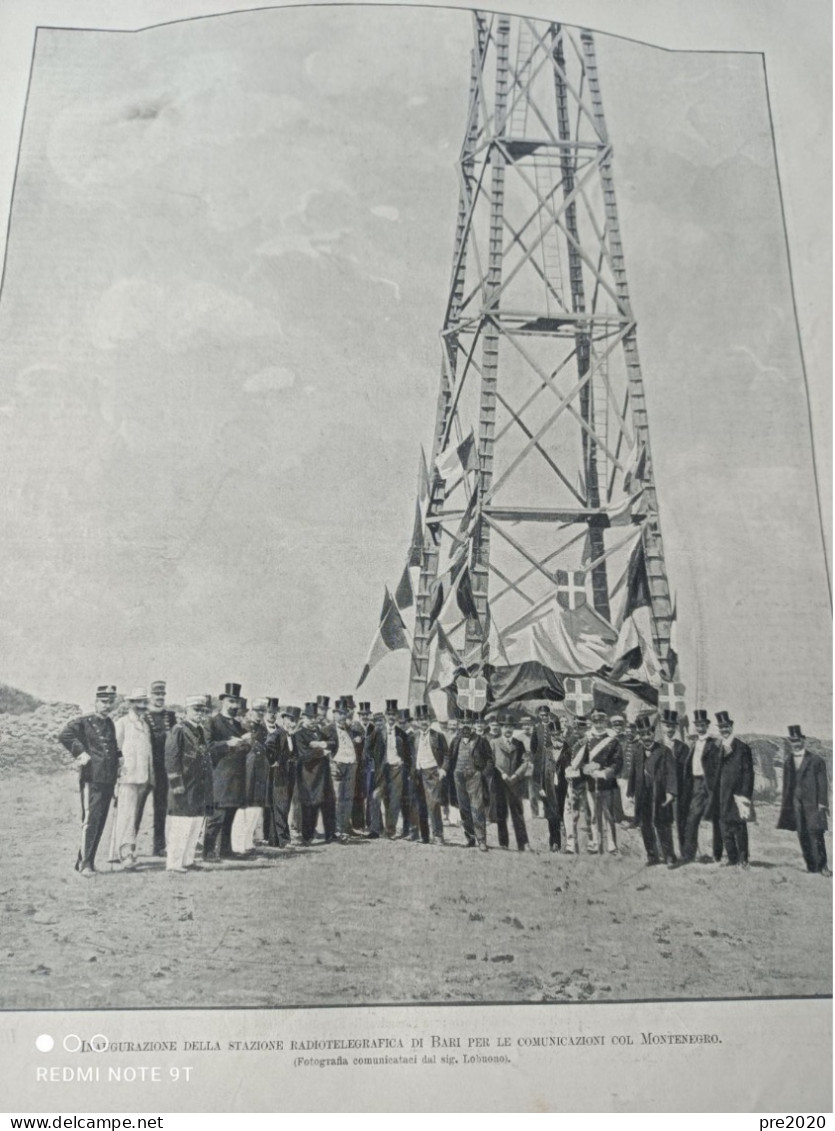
(540, 354)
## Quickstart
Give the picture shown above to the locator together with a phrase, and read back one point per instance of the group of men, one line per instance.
(242, 774)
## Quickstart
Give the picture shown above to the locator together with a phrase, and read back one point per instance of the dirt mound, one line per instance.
(29, 742)
(14, 702)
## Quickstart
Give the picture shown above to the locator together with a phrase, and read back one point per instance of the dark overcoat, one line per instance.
(376, 748)
(257, 767)
(161, 724)
(652, 777)
(735, 778)
(313, 764)
(96, 736)
(805, 794)
(187, 764)
(228, 763)
(280, 751)
(684, 770)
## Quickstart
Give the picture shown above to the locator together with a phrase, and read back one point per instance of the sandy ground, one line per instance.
(379, 921)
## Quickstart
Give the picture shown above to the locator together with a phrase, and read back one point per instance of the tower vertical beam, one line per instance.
(480, 559)
(653, 546)
(596, 545)
(419, 672)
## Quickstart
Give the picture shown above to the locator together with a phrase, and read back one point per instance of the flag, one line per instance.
(635, 644)
(672, 647)
(453, 460)
(416, 547)
(636, 468)
(574, 642)
(391, 635)
(447, 662)
(451, 591)
(571, 589)
(404, 594)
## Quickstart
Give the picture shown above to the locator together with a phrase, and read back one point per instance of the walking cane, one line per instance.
(112, 858)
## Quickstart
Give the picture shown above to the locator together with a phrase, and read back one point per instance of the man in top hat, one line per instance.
(553, 785)
(430, 752)
(539, 743)
(91, 739)
(734, 792)
(189, 770)
(697, 780)
(363, 727)
(249, 820)
(680, 752)
(390, 753)
(313, 752)
(415, 822)
(470, 760)
(322, 707)
(136, 772)
(271, 720)
(806, 801)
(512, 769)
(161, 722)
(344, 768)
(601, 765)
(653, 783)
(228, 746)
(280, 750)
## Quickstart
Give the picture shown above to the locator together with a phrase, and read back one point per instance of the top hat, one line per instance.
(700, 716)
(391, 706)
(644, 724)
(506, 721)
(158, 687)
(137, 695)
(291, 713)
(724, 717)
(796, 732)
(272, 704)
(670, 717)
(365, 708)
(341, 706)
(323, 701)
(231, 691)
(404, 715)
(348, 700)
(421, 712)
(244, 702)
(309, 710)
(105, 691)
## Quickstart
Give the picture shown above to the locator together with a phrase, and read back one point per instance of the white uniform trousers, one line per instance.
(127, 810)
(181, 836)
(245, 826)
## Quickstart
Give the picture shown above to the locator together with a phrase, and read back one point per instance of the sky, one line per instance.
(226, 274)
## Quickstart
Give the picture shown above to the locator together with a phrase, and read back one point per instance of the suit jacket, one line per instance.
(438, 745)
(804, 792)
(482, 754)
(377, 747)
(651, 780)
(187, 764)
(684, 766)
(228, 763)
(94, 735)
(735, 778)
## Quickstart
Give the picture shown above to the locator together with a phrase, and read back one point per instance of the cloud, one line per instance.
(175, 314)
(273, 378)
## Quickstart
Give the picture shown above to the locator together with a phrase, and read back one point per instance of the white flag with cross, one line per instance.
(472, 693)
(671, 698)
(579, 695)
(571, 589)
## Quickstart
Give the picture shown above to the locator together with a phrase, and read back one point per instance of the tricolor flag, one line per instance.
(404, 594)
(454, 460)
(635, 646)
(390, 636)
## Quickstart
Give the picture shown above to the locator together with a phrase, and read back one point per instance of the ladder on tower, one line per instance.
(600, 412)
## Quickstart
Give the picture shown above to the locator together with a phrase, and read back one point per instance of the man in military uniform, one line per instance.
(228, 746)
(603, 762)
(188, 767)
(91, 740)
(161, 722)
(806, 801)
